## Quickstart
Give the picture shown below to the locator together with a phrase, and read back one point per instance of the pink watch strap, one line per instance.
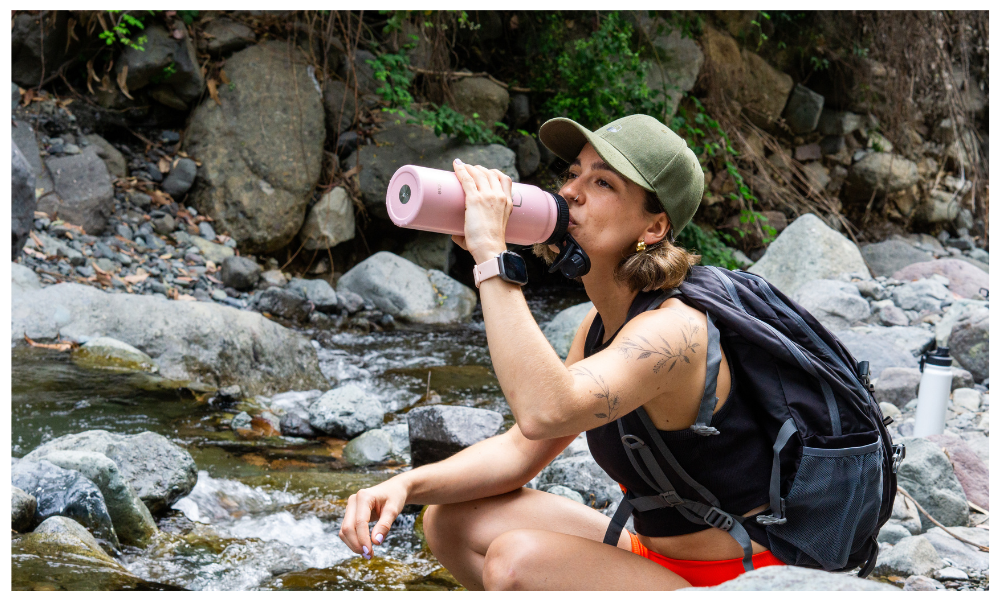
(485, 270)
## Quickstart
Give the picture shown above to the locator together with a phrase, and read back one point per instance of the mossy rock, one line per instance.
(109, 354)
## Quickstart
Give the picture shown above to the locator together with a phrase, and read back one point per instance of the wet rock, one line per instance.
(803, 109)
(181, 177)
(928, 476)
(438, 431)
(788, 577)
(109, 354)
(68, 530)
(806, 250)
(891, 533)
(878, 171)
(972, 472)
(165, 61)
(330, 221)
(284, 303)
(480, 96)
(240, 272)
(84, 195)
(23, 202)
(64, 493)
(346, 412)
(160, 472)
(226, 36)
(113, 159)
(922, 583)
(318, 292)
(22, 510)
(132, 521)
(962, 555)
(885, 258)
(897, 385)
(368, 448)
(906, 515)
(561, 330)
(407, 291)
(294, 424)
(241, 422)
(970, 344)
(256, 175)
(834, 303)
(909, 557)
(583, 475)
(964, 279)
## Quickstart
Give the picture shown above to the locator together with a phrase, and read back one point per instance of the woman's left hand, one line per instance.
(488, 205)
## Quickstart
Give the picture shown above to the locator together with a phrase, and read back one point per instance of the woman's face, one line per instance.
(606, 210)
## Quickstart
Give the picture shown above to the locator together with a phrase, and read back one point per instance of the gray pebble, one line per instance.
(219, 295)
(206, 230)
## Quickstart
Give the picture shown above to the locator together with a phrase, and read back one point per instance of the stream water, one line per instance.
(265, 512)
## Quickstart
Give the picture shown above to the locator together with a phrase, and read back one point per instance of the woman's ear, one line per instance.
(659, 227)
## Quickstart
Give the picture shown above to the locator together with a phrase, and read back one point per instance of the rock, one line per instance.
(240, 272)
(113, 159)
(22, 510)
(806, 250)
(561, 330)
(339, 105)
(897, 385)
(168, 63)
(399, 434)
(132, 522)
(528, 156)
(923, 295)
(788, 577)
(819, 174)
(400, 143)
(260, 154)
(480, 99)
(109, 354)
(284, 303)
(922, 583)
(892, 533)
(217, 253)
(811, 151)
(909, 557)
(187, 340)
(912, 339)
(889, 410)
(927, 474)
(84, 195)
(565, 492)
(345, 412)
(879, 171)
(972, 472)
(673, 73)
(23, 204)
(970, 344)
(180, 179)
(520, 107)
(582, 474)
(318, 292)
(23, 278)
(962, 555)
(227, 36)
(938, 207)
(838, 123)
(869, 346)
(38, 44)
(406, 291)
(803, 110)
(241, 422)
(362, 71)
(295, 425)
(429, 250)
(906, 515)
(885, 258)
(950, 573)
(368, 448)
(330, 221)
(834, 303)
(23, 135)
(66, 529)
(273, 278)
(438, 431)
(965, 399)
(65, 493)
(160, 472)
(960, 310)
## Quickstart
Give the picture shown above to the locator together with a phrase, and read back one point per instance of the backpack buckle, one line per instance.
(671, 499)
(865, 374)
(632, 442)
(719, 519)
(898, 453)
(704, 430)
(772, 519)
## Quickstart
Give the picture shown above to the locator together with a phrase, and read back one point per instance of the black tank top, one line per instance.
(735, 465)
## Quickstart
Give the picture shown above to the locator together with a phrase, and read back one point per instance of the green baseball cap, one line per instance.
(643, 150)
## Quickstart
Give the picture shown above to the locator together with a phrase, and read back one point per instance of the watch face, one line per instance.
(513, 269)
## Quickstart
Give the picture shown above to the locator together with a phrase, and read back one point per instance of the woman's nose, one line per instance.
(570, 194)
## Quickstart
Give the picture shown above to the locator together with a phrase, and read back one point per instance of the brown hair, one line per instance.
(659, 268)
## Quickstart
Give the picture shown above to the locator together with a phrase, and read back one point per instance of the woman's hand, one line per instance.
(488, 205)
(385, 500)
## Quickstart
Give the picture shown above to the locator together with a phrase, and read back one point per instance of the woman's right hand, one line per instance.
(384, 501)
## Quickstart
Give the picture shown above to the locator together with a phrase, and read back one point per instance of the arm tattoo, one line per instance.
(667, 352)
(610, 399)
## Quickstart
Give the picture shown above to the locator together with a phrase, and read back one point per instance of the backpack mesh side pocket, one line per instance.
(832, 507)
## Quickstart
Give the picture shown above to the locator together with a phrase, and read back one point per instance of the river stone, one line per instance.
(160, 472)
(180, 179)
(950, 573)
(909, 557)
(922, 583)
(68, 530)
(561, 330)
(438, 431)
(294, 424)
(791, 578)
(834, 303)
(905, 514)
(160, 52)
(959, 310)
(897, 385)
(964, 556)
(113, 159)
(565, 492)
(429, 250)
(22, 509)
(132, 521)
(241, 422)
(892, 533)
(52, 246)
(261, 152)
(399, 434)
(885, 258)
(345, 412)
(964, 279)
(188, 340)
(583, 475)
(806, 250)
(227, 36)
(803, 109)
(23, 204)
(65, 493)
(401, 143)
(217, 253)
(878, 171)
(240, 272)
(84, 195)
(866, 344)
(368, 448)
(923, 295)
(288, 304)
(109, 354)
(970, 344)
(928, 476)
(330, 221)
(480, 99)
(972, 472)
(407, 291)
(318, 292)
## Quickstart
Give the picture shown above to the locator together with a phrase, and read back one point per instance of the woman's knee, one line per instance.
(510, 559)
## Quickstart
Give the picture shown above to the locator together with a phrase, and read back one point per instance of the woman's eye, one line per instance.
(603, 183)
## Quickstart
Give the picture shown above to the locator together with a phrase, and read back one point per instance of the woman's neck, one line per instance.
(611, 298)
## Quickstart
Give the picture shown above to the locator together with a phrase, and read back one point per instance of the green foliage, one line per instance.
(819, 63)
(165, 74)
(123, 30)
(398, 17)
(709, 245)
(187, 17)
(761, 36)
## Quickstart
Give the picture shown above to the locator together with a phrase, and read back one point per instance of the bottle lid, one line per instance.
(937, 358)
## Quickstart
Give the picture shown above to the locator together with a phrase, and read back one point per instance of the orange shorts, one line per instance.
(703, 573)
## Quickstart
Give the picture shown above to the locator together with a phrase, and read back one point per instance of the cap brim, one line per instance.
(566, 138)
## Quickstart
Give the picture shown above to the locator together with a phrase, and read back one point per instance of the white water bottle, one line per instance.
(934, 393)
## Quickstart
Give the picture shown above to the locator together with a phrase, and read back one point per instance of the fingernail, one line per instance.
(378, 538)
(368, 557)
(459, 162)
(364, 550)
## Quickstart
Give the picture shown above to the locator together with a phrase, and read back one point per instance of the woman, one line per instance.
(631, 185)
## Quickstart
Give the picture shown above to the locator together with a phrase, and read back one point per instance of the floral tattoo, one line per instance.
(610, 399)
(667, 352)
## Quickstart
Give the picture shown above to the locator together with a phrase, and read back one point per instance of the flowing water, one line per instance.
(265, 512)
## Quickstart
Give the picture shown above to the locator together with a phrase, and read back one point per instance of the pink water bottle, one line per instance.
(433, 200)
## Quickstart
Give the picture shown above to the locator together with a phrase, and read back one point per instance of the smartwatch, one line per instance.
(508, 265)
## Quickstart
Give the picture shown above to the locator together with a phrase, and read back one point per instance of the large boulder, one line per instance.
(923, 295)
(912, 339)
(881, 172)
(972, 472)
(865, 345)
(169, 64)
(113, 159)
(339, 105)
(970, 344)
(673, 73)
(806, 250)
(480, 99)
(928, 476)
(964, 556)
(160, 472)
(964, 279)
(897, 385)
(226, 36)
(803, 110)
(561, 330)
(83, 194)
(429, 250)
(22, 510)
(261, 152)
(909, 557)
(330, 221)
(65, 493)
(885, 258)
(583, 475)
(409, 292)
(22, 205)
(438, 431)
(38, 42)
(346, 412)
(836, 304)
(959, 311)
(401, 143)
(188, 340)
(23, 279)
(791, 578)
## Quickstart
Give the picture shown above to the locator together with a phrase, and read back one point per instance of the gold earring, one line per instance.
(641, 245)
